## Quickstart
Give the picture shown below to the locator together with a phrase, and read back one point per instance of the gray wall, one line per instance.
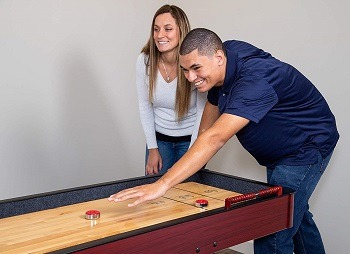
(68, 103)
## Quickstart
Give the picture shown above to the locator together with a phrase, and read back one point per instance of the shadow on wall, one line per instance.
(90, 139)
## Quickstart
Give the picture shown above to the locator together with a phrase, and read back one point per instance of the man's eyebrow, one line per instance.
(191, 67)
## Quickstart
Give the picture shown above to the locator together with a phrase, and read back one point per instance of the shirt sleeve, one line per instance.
(250, 98)
(145, 106)
(213, 95)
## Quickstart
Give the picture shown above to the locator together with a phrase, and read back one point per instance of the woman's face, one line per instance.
(166, 33)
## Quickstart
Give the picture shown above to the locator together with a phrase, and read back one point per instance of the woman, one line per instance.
(170, 107)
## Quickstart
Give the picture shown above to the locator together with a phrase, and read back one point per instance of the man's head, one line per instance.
(202, 58)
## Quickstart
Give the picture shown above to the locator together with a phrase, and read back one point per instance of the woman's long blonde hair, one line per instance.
(183, 89)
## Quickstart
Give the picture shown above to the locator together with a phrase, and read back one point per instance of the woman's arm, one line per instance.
(154, 161)
(210, 115)
(145, 106)
(201, 99)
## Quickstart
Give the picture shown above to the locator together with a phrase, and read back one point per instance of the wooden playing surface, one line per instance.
(66, 226)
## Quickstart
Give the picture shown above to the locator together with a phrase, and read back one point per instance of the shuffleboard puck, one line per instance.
(92, 215)
(201, 203)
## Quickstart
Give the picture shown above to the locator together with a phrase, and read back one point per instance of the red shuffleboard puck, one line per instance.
(201, 203)
(92, 215)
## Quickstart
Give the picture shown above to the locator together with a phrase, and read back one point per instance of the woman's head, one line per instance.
(175, 18)
(166, 17)
(166, 33)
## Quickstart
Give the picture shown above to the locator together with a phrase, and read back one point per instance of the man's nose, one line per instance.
(191, 76)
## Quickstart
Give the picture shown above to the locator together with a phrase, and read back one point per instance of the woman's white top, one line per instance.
(160, 115)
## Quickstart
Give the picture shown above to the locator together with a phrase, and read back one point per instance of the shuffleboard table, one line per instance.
(237, 210)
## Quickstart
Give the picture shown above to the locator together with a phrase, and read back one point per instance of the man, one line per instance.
(278, 116)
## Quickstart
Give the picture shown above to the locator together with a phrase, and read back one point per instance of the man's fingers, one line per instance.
(125, 194)
(139, 193)
(137, 202)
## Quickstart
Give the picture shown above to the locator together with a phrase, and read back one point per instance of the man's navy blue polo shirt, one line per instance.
(290, 121)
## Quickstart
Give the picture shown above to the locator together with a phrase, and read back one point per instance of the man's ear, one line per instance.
(220, 57)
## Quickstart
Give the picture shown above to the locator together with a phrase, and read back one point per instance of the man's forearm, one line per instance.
(196, 157)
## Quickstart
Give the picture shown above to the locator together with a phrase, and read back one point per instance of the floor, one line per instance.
(228, 251)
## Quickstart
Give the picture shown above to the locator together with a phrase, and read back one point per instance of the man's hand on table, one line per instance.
(142, 193)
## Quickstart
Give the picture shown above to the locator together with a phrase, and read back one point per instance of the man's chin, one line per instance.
(202, 89)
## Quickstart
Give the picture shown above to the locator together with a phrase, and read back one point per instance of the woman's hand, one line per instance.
(154, 162)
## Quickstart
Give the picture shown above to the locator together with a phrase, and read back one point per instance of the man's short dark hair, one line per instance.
(207, 42)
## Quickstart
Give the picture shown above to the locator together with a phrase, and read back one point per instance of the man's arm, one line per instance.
(203, 149)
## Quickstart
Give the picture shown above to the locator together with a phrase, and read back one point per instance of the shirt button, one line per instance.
(223, 95)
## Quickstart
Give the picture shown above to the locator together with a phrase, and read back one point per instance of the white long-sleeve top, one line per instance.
(160, 115)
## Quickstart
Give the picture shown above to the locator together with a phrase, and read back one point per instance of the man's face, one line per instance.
(203, 71)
